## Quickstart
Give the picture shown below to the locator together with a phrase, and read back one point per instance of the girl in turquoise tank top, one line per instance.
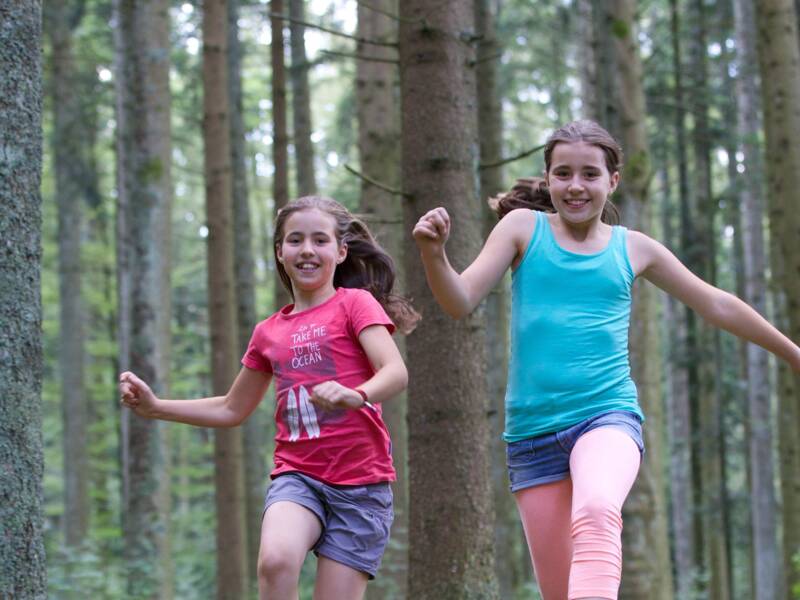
(573, 422)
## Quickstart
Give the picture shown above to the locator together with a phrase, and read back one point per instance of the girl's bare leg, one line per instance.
(336, 581)
(288, 532)
(545, 511)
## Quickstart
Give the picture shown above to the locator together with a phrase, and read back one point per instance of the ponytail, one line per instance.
(368, 266)
(532, 193)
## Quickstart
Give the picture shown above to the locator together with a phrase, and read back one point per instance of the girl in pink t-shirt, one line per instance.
(333, 360)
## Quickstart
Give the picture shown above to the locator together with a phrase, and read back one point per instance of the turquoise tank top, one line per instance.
(569, 335)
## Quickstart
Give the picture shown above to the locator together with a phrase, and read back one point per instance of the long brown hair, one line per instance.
(366, 266)
(532, 192)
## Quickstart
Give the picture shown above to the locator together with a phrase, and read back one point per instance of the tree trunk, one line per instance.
(228, 476)
(69, 158)
(766, 557)
(143, 108)
(379, 150)
(646, 566)
(681, 367)
(778, 57)
(22, 560)
(280, 156)
(490, 134)
(301, 103)
(253, 430)
(707, 455)
(450, 555)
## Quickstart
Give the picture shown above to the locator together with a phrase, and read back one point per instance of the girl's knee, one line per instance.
(275, 564)
(598, 515)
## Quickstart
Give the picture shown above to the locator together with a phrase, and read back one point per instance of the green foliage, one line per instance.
(620, 29)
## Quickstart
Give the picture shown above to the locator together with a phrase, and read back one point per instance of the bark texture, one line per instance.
(767, 559)
(450, 555)
(378, 111)
(22, 560)
(280, 137)
(301, 103)
(779, 59)
(144, 200)
(228, 476)
(70, 158)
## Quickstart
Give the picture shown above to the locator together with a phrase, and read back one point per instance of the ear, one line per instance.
(614, 181)
(279, 253)
(342, 254)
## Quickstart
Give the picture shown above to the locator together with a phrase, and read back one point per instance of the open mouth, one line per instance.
(307, 267)
(576, 202)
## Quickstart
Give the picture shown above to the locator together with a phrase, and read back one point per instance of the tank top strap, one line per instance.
(619, 248)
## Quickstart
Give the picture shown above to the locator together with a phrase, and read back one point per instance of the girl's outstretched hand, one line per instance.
(432, 230)
(330, 395)
(137, 395)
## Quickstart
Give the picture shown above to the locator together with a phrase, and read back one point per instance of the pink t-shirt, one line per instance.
(301, 350)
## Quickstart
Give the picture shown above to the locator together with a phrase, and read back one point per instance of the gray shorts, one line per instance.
(355, 519)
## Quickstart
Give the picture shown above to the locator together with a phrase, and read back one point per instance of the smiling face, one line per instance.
(309, 252)
(579, 181)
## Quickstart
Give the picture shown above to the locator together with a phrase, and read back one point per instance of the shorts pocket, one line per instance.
(519, 453)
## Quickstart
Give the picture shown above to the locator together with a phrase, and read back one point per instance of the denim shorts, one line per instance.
(545, 458)
(355, 518)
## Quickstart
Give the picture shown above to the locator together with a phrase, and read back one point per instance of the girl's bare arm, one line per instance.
(229, 410)
(459, 294)
(720, 308)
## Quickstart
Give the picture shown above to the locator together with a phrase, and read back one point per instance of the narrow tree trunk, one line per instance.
(144, 194)
(280, 157)
(647, 572)
(301, 103)
(449, 558)
(69, 151)
(22, 560)
(766, 556)
(228, 477)
(707, 450)
(490, 135)
(778, 57)
(253, 430)
(683, 348)
(378, 113)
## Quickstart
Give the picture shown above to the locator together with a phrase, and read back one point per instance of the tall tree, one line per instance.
(144, 200)
(253, 430)
(378, 113)
(301, 102)
(228, 475)
(766, 556)
(647, 568)
(490, 134)
(448, 558)
(778, 58)
(280, 153)
(706, 400)
(682, 368)
(69, 158)
(22, 561)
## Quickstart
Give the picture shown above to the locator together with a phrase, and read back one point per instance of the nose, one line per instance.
(306, 248)
(575, 185)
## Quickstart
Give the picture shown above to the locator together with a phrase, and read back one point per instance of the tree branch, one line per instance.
(377, 184)
(393, 61)
(510, 159)
(397, 18)
(333, 31)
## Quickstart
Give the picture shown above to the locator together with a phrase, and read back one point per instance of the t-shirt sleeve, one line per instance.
(365, 310)
(254, 357)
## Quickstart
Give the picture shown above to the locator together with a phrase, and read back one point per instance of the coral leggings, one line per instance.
(574, 526)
